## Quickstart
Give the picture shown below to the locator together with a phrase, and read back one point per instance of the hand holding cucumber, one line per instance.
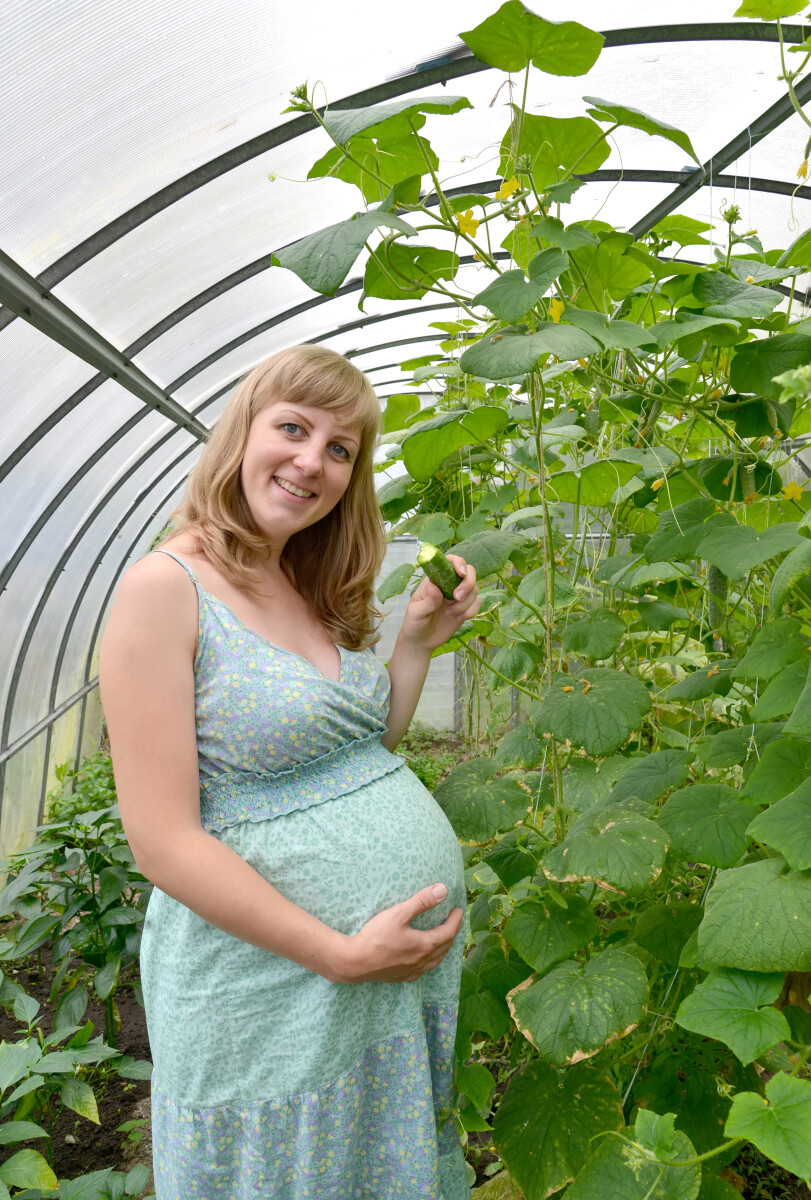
(442, 601)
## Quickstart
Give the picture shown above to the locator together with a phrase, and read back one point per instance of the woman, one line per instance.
(302, 947)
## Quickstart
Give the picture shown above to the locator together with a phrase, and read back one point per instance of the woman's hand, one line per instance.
(388, 950)
(430, 619)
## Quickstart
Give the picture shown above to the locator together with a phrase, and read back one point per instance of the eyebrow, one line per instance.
(346, 437)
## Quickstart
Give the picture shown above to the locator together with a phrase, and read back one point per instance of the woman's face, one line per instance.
(294, 446)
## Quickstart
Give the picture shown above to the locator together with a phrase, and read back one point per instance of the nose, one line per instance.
(308, 457)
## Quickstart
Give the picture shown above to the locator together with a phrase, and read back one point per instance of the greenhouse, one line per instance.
(569, 248)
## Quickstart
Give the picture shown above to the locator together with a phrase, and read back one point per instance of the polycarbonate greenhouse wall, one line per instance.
(138, 220)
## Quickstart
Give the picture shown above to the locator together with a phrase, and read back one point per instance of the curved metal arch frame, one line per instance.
(414, 81)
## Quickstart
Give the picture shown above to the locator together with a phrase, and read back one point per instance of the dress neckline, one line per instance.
(273, 646)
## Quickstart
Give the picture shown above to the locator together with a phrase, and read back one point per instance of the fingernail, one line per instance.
(440, 891)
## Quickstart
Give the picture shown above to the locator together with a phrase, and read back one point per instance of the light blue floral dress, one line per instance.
(269, 1081)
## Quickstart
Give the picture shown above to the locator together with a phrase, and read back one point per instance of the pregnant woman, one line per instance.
(302, 947)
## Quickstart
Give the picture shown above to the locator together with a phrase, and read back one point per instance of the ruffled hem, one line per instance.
(237, 796)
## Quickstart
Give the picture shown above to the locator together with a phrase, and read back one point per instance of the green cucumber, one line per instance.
(438, 569)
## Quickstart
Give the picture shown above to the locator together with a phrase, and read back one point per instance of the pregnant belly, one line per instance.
(346, 859)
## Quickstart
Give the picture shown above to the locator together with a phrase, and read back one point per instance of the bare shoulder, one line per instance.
(155, 599)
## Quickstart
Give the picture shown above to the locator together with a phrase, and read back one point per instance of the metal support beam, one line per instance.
(27, 297)
(750, 136)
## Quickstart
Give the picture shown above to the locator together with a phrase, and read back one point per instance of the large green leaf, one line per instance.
(786, 827)
(663, 929)
(520, 747)
(714, 680)
(20, 1131)
(616, 848)
(395, 582)
(479, 806)
(78, 1095)
(619, 114)
(16, 1060)
(782, 693)
(27, 1169)
(594, 485)
(425, 450)
(504, 355)
(612, 335)
(650, 777)
(610, 1174)
(685, 325)
(799, 723)
(756, 363)
(779, 643)
(780, 1125)
(514, 36)
(596, 635)
(769, 10)
(707, 824)
(758, 918)
(545, 934)
(396, 497)
(738, 548)
(344, 123)
(794, 568)
(515, 856)
(783, 766)
(488, 551)
(597, 710)
(604, 273)
(550, 229)
(552, 145)
(413, 270)
(722, 296)
(575, 1010)
(545, 1124)
(323, 260)
(511, 295)
(388, 162)
(733, 746)
(736, 1008)
(515, 661)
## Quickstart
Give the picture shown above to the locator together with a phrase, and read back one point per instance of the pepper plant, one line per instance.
(609, 440)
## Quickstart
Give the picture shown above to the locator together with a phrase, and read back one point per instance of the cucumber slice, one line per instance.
(438, 569)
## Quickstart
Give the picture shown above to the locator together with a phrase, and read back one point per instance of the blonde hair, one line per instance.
(332, 563)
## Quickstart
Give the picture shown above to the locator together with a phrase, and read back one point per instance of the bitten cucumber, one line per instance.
(438, 569)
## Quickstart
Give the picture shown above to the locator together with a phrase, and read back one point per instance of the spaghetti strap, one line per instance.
(185, 566)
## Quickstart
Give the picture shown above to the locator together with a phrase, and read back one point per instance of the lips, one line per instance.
(291, 489)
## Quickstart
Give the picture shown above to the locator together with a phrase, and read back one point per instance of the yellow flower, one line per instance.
(792, 491)
(582, 362)
(467, 224)
(750, 279)
(507, 188)
(803, 171)
(750, 233)
(657, 483)
(556, 308)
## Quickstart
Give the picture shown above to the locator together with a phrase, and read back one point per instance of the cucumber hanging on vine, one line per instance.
(438, 569)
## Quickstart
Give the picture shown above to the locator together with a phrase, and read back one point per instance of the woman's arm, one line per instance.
(429, 621)
(147, 688)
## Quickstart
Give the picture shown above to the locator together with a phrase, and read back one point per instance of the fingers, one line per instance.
(422, 901)
(466, 588)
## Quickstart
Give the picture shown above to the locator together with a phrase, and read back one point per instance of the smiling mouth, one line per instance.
(300, 493)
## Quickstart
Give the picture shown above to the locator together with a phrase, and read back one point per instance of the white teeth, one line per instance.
(288, 487)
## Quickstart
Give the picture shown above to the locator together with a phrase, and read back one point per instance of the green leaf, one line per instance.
(770, 10)
(25, 1008)
(738, 548)
(574, 1011)
(323, 260)
(799, 723)
(395, 582)
(86, 1187)
(514, 36)
(136, 1180)
(684, 231)
(551, 230)
(615, 848)
(758, 919)
(780, 1125)
(475, 1081)
(19, 1131)
(552, 145)
(545, 1123)
(713, 1187)
(112, 881)
(516, 661)
(707, 823)
(106, 978)
(515, 856)
(756, 363)
(659, 614)
(781, 695)
(398, 408)
(594, 485)
(344, 123)
(422, 266)
(125, 915)
(722, 296)
(663, 929)
(778, 644)
(133, 1068)
(395, 497)
(544, 268)
(544, 934)
(479, 806)
(612, 335)
(78, 1095)
(783, 766)
(792, 570)
(533, 589)
(786, 827)
(27, 1169)
(71, 1008)
(609, 1175)
(504, 355)
(619, 114)
(735, 1007)
(656, 1133)
(607, 272)
(33, 935)
(733, 746)
(16, 1061)
(519, 748)
(682, 326)
(426, 448)
(597, 710)
(510, 296)
(596, 635)
(713, 680)
(648, 778)
(488, 551)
